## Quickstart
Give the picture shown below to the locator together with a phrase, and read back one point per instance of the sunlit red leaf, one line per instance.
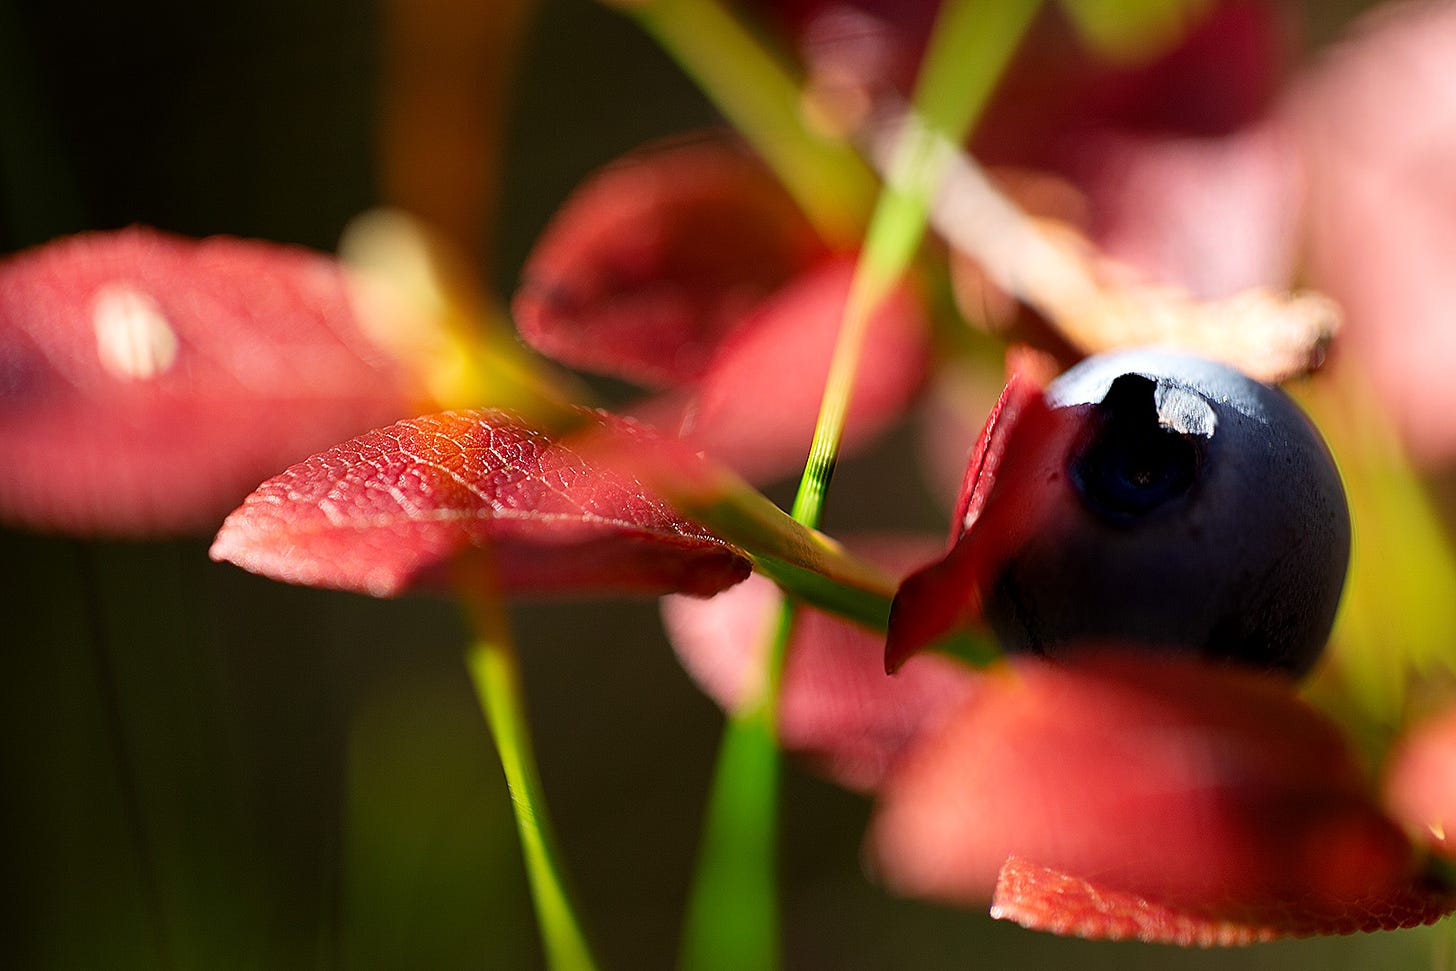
(1045, 900)
(838, 709)
(756, 406)
(391, 510)
(147, 381)
(1058, 97)
(656, 258)
(1208, 792)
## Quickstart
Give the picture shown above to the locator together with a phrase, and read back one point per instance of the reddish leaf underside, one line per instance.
(838, 710)
(1043, 899)
(148, 381)
(391, 511)
(1160, 792)
(656, 258)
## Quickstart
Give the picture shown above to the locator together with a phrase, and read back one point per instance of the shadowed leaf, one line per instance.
(754, 408)
(1209, 791)
(391, 511)
(148, 381)
(656, 258)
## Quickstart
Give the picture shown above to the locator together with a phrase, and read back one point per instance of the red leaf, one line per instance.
(1378, 119)
(656, 258)
(1042, 899)
(1002, 500)
(390, 511)
(838, 709)
(1207, 790)
(1420, 783)
(147, 381)
(756, 406)
(1058, 97)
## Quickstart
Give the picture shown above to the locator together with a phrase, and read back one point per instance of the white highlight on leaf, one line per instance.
(134, 339)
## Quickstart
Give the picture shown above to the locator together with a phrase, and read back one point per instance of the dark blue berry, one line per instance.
(1195, 509)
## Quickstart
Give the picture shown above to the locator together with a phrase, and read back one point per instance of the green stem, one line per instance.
(733, 914)
(973, 41)
(494, 672)
(762, 99)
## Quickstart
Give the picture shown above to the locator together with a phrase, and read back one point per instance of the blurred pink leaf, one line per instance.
(659, 256)
(838, 710)
(755, 407)
(391, 510)
(147, 381)
(1420, 783)
(1207, 792)
(1378, 119)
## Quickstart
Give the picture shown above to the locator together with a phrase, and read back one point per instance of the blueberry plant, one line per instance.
(1108, 708)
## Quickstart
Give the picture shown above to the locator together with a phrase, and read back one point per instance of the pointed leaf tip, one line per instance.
(390, 511)
(947, 593)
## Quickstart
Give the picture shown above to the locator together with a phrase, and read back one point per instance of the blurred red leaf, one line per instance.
(838, 710)
(659, 256)
(1378, 123)
(1420, 783)
(147, 381)
(1058, 97)
(391, 510)
(1211, 792)
(756, 405)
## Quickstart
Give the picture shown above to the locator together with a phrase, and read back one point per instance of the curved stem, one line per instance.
(733, 913)
(495, 675)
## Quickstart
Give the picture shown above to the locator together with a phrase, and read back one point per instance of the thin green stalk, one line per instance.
(755, 92)
(973, 42)
(495, 674)
(733, 913)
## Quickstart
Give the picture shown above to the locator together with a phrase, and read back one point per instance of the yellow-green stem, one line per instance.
(973, 41)
(495, 675)
(733, 913)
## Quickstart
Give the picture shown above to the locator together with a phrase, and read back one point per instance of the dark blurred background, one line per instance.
(205, 769)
